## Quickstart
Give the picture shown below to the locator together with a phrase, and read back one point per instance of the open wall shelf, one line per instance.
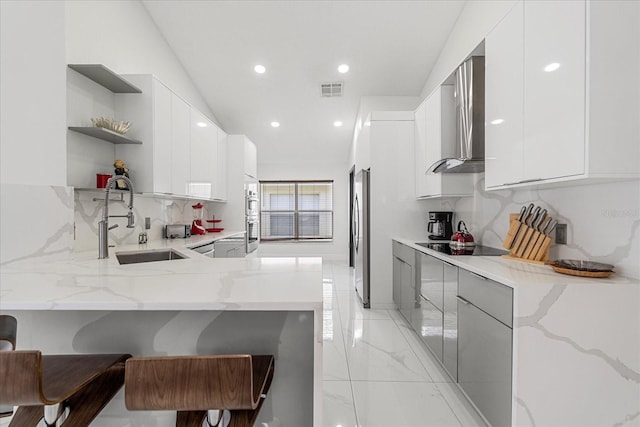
(105, 134)
(105, 77)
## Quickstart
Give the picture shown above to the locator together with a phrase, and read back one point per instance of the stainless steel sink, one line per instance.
(148, 256)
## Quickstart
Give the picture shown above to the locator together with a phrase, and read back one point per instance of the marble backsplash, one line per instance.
(36, 221)
(161, 211)
(603, 220)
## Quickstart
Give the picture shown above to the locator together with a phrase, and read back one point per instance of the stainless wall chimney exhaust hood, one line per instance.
(469, 94)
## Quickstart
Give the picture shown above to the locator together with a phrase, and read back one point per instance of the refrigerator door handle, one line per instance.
(356, 226)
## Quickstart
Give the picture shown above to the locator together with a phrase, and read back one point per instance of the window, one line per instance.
(296, 210)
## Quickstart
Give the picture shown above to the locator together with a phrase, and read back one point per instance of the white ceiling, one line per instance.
(390, 47)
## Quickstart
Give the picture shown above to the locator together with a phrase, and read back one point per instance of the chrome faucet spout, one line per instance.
(103, 225)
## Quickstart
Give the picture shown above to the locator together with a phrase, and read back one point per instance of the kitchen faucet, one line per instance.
(103, 225)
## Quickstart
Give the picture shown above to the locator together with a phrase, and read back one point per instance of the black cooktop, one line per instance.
(477, 250)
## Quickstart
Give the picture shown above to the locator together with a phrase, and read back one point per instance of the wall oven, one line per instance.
(252, 212)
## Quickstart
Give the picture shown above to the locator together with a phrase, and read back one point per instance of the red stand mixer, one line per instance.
(196, 225)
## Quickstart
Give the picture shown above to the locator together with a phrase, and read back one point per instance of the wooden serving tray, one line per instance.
(580, 273)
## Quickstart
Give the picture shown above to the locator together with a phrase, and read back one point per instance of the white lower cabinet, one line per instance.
(559, 82)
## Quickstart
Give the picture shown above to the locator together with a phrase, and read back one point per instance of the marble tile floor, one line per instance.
(376, 371)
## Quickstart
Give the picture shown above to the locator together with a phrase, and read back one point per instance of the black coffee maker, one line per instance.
(440, 225)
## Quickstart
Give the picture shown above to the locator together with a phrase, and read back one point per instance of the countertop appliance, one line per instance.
(477, 250)
(361, 236)
(440, 225)
(177, 231)
(469, 119)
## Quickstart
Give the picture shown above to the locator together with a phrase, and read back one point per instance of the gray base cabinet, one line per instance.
(465, 320)
(485, 338)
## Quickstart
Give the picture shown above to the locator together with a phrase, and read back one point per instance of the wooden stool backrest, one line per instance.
(21, 378)
(190, 383)
(8, 330)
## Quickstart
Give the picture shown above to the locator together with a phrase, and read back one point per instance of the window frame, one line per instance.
(296, 212)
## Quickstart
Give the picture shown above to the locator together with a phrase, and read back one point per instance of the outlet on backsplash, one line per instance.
(561, 234)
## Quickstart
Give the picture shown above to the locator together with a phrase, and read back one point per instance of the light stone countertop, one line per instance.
(516, 273)
(195, 283)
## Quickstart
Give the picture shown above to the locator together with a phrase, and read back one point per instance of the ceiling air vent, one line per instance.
(329, 90)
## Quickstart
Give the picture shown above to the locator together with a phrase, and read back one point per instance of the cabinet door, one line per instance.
(180, 151)
(484, 363)
(450, 322)
(427, 320)
(433, 141)
(403, 288)
(204, 155)
(504, 100)
(221, 182)
(554, 88)
(250, 159)
(431, 280)
(420, 143)
(162, 124)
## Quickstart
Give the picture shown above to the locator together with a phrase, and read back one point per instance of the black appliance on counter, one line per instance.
(440, 225)
(477, 250)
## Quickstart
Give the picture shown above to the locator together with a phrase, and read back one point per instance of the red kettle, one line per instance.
(462, 238)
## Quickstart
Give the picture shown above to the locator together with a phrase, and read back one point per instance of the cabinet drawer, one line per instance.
(492, 297)
(405, 253)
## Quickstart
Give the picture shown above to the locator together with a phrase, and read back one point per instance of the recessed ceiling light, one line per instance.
(275, 124)
(497, 121)
(343, 68)
(337, 123)
(201, 124)
(552, 67)
(260, 69)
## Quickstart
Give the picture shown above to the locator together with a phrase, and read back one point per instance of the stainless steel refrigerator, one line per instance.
(361, 236)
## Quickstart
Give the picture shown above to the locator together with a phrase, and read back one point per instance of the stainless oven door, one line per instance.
(253, 233)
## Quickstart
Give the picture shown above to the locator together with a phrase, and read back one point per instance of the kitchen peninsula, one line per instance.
(195, 305)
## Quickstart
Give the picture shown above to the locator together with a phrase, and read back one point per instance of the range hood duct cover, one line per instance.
(469, 93)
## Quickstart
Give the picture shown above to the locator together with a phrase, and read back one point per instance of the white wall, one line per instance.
(339, 173)
(122, 36)
(32, 84)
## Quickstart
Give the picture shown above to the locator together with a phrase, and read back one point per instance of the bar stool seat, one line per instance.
(197, 386)
(61, 388)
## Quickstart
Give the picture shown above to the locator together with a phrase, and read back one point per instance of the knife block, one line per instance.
(528, 245)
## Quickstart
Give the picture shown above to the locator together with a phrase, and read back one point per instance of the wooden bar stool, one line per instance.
(221, 390)
(54, 389)
(8, 332)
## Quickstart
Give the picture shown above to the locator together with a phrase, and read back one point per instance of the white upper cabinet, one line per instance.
(562, 77)
(250, 159)
(435, 139)
(151, 115)
(554, 89)
(504, 100)
(220, 191)
(204, 156)
(184, 153)
(180, 146)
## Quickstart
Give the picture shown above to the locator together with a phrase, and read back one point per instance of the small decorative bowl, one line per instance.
(106, 123)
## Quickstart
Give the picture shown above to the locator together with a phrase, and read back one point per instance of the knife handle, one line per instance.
(525, 242)
(542, 252)
(533, 246)
(511, 233)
